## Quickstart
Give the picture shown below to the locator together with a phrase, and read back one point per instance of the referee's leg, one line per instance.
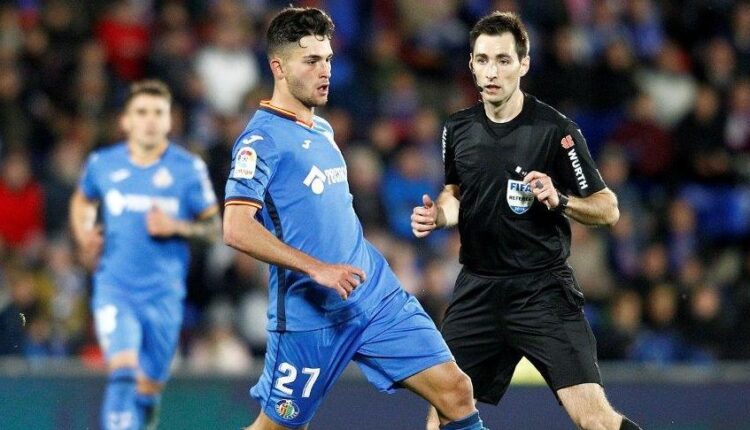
(589, 409)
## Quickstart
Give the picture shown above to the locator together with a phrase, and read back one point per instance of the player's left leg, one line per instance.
(401, 347)
(161, 321)
(589, 409)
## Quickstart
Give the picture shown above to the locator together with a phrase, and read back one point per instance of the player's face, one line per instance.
(496, 66)
(307, 70)
(147, 120)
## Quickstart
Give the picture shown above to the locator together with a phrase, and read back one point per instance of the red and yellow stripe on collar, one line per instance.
(268, 107)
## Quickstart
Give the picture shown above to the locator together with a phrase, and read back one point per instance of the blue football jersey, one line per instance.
(296, 175)
(132, 261)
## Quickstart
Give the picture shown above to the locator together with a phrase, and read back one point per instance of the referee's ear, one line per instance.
(525, 64)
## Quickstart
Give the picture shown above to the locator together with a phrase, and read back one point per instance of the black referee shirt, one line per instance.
(504, 229)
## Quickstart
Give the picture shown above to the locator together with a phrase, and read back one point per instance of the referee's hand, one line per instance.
(424, 218)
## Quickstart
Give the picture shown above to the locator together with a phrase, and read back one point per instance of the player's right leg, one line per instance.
(119, 335)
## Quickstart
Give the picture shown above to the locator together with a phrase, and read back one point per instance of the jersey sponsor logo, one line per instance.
(575, 162)
(119, 175)
(117, 203)
(317, 179)
(519, 196)
(287, 409)
(306, 144)
(162, 178)
(244, 163)
(567, 142)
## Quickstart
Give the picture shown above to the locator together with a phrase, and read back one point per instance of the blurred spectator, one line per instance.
(125, 34)
(226, 68)
(616, 340)
(365, 184)
(590, 264)
(21, 203)
(701, 138)
(644, 27)
(648, 144)
(660, 343)
(669, 84)
(220, 350)
(706, 328)
(405, 182)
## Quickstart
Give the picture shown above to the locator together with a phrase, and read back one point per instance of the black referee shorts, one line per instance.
(494, 321)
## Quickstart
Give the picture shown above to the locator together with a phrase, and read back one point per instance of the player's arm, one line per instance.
(599, 208)
(442, 213)
(244, 233)
(206, 228)
(87, 235)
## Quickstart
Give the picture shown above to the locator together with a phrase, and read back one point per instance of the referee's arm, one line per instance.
(440, 214)
(599, 208)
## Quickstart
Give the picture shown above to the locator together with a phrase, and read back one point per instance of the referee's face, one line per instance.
(307, 70)
(496, 67)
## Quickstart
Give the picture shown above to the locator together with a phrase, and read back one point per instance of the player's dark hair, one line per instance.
(293, 23)
(498, 23)
(152, 87)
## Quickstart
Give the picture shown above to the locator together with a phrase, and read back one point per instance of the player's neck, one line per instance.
(507, 109)
(286, 101)
(141, 156)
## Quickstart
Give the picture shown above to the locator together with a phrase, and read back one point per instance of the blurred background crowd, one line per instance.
(660, 88)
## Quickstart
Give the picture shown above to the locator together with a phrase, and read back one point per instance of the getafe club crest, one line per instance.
(519, 196)
(162, 178)
(287, 409)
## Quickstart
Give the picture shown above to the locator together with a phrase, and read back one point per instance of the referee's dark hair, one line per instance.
(498, 23)
(293, 23)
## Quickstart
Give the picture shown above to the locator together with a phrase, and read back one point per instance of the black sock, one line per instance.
(628, 425)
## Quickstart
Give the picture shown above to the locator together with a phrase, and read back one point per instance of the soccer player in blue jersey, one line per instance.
(153, 197)
(333, 298)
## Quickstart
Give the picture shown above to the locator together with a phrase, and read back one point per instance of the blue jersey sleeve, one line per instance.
(200, 192)
(255, 157)
(88, 184)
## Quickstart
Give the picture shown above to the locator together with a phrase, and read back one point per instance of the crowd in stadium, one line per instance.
(660, 89)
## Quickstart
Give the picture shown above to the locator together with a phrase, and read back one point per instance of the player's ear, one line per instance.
(124, 123)
(525, 63)
(277, 67)
(471, 62)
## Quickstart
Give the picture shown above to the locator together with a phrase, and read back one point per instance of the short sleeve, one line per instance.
(576, 172)
(449, 162)
(87, 183)
(255, 158)
(200, 192)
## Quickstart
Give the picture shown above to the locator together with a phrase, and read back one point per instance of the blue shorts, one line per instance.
(389, 343)
(151, 328)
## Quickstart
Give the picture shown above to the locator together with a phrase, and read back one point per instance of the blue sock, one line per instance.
(118, 410)
(471, 422)
(148, 409)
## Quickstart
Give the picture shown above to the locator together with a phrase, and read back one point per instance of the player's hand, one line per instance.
(339, 277)
(543, 189)
(424, 218)
(90, 247)
(159, 224)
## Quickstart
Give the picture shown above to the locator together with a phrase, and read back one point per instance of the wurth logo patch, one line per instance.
(567, 142)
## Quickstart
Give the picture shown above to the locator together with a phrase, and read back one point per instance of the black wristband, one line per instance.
(563, 202)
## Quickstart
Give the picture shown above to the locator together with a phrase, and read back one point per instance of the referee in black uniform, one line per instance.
(516, 170)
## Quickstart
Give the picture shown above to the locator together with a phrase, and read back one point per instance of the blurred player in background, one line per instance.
(515, 171)
(153, 197)
(333, 298)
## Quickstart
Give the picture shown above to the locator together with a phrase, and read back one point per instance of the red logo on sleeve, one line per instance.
(567, 142)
